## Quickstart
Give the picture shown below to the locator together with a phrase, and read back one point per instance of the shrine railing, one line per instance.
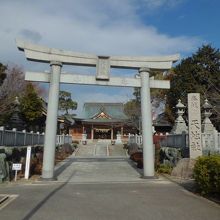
(23, 138)
(175, 140)
(210, 142)
(135, 139)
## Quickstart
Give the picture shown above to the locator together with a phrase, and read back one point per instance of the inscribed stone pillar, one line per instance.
(92, 133)
(148, 147)
(194, 118)
(51, 122)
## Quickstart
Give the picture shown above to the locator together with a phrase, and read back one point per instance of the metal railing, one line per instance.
(135, 139)
(23, 138)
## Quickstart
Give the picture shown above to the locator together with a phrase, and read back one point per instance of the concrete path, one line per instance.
(98, 162)
(93, 170)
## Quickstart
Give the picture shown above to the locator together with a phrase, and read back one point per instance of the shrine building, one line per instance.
(101, 121)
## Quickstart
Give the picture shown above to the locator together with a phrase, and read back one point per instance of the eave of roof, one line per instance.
(103, 120)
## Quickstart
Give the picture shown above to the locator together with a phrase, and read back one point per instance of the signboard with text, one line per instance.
(16, 166)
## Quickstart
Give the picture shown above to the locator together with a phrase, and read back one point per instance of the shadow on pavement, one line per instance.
(40, 204)
(66, 164)
(134, 166)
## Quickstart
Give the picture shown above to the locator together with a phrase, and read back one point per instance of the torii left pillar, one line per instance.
(51, 122)
(148, 147)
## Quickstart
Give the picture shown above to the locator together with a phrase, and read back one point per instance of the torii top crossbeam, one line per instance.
(103, 65)
(44, 54)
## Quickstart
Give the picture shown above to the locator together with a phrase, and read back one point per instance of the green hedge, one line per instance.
(207, 174)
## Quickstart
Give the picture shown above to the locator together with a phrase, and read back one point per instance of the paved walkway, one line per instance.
(103, 188)
(98, 162)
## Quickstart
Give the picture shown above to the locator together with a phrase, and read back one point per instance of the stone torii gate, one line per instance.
(56, 58)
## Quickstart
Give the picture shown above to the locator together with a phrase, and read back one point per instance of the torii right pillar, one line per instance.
(148, 147)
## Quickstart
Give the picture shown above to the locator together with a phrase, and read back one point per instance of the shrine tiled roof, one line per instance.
(103, 111)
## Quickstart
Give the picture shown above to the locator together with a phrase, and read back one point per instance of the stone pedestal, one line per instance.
(184, 168)
(84, 139)
(118, 139)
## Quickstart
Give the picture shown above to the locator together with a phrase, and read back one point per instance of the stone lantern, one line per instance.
(16, 119)
(207, 126)
(180, 109)
(180, 124)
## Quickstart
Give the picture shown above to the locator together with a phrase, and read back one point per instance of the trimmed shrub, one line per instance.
(207, 174)
(164, 168)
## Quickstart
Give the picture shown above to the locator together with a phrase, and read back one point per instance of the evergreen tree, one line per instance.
(66, 103)
(199, 73)
(31, 105)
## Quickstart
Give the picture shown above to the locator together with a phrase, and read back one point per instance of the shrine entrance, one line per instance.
(101, 120)
(57, 58)
(102, 133)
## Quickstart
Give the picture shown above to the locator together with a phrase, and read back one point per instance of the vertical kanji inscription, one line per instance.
(194, 116)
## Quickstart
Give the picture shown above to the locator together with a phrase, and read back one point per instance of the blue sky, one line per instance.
(110, 27)
(197, 18)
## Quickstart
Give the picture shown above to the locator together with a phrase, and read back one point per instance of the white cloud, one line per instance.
(102, 27)
(154, 4)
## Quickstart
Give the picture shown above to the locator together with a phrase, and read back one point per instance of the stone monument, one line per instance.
(194, 120)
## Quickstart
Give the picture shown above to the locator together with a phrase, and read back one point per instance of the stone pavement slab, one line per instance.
(100, 148)
(114, 169)
(85, 151)
(115, 150)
